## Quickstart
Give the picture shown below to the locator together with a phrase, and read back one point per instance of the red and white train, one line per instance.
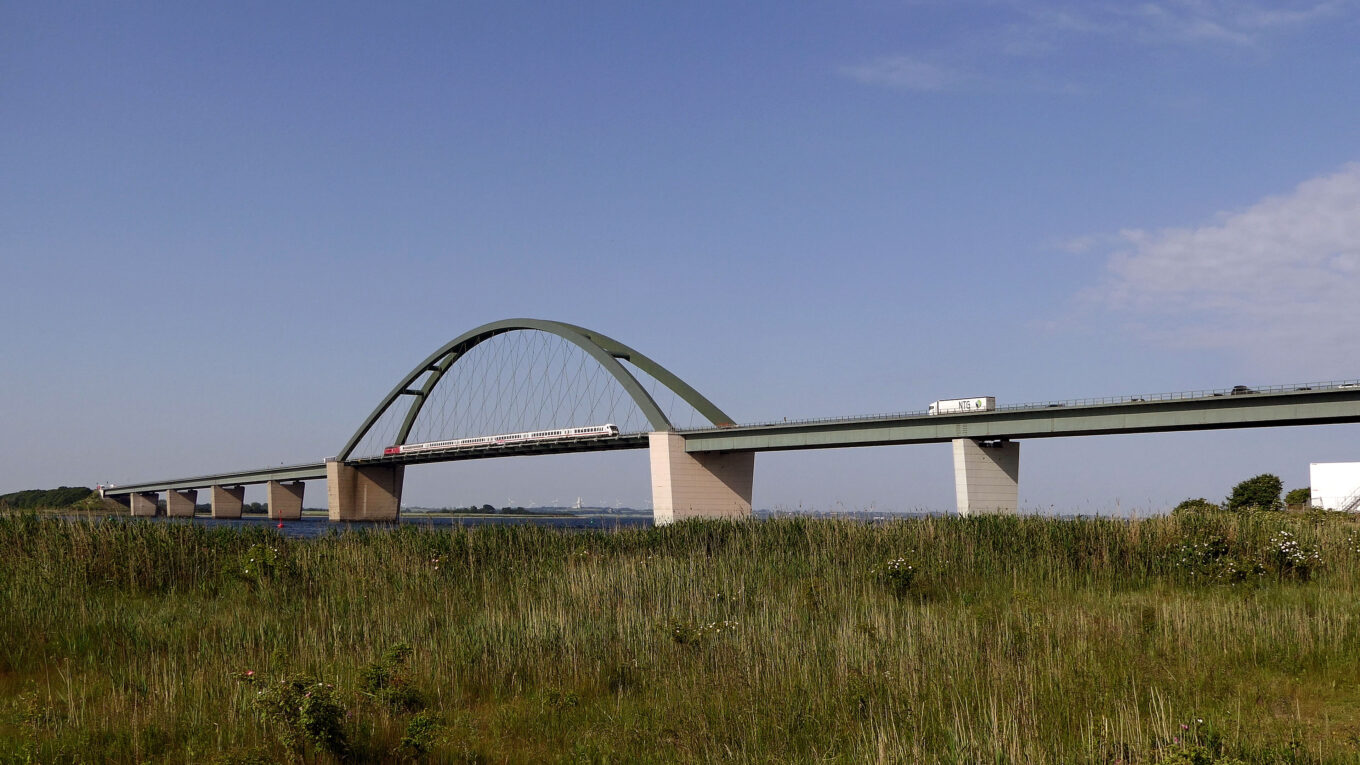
(561, 434)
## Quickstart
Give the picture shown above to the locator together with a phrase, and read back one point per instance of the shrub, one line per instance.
(262, 562)
(386, 680)
(419, 738)
(898, 573)
(1291, 559)
(1262, 491)
(1196, 505)
(1210, 557)
(1299, 497)
(693, 634)
(305, 714)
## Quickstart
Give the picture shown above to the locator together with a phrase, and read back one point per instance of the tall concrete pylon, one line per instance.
(684, 485)
(180, 503)
(986, 476)
(285, 499)
(363, 492)
(227, 502)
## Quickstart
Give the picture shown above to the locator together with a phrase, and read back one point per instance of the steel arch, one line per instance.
(605, 350)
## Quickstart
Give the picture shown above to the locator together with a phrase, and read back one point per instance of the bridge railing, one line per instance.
(1238, 390)
(1075, 402)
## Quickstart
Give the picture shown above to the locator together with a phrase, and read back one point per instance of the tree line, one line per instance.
(33, 499)
(1262, 492)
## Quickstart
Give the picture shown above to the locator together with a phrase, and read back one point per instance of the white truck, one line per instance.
(962, 405)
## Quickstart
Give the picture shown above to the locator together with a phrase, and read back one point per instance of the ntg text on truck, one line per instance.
(963, 405)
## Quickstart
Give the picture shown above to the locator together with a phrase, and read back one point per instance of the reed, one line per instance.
(1189, 638)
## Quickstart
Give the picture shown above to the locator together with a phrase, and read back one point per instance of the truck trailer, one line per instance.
(963, 405)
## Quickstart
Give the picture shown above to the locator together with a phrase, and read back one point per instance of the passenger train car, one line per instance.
(561, 434)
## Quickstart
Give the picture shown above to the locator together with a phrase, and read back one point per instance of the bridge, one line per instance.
(535, 378)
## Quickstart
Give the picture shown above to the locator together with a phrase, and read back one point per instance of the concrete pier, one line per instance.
(704, 485)
(368, 493)
(144, 504)
(986, 476)
(180, 504)
(285, 500)
(227, 502)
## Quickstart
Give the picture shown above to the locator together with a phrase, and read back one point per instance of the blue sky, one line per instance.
(227, 230)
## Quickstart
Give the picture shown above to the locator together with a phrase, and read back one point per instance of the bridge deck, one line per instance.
(1304, 405)
(604, 444)
(317, 471)
(308, 472)
(1297, 406)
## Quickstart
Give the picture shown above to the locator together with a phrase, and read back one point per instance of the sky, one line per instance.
(228, 229)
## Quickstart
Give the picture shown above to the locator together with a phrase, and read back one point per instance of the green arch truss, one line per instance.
(605, 350)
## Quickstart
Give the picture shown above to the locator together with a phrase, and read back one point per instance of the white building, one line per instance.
(1335, 485)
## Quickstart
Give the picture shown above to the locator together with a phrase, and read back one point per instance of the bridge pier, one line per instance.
(180, 504)
(363, 493)
(143, 504)
(703, 485)
(285, 500)
(986, 476)
(227, 502)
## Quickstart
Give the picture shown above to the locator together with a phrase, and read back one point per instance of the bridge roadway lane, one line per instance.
(308, 472)
(1211, 411)
(317, 470)
(601, 444)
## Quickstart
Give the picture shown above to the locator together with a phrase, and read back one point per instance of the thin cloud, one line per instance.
(1086, 243)
(1034, 31)
(1279, 18)
(1191, 22)
(906, 73)
(1176, 23)
(1279, 277)
(1048, 27)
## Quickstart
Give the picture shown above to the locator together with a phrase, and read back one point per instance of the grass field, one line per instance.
(1186, 639)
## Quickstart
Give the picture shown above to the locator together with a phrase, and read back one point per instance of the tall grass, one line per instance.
(1009, 640)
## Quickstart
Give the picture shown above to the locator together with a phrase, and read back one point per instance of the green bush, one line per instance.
(1261, 492)
(420, 734)
(388, 681)
(1296, 497)
(305, 715)
(898, 573)
(1213, 558)
(1291, 559)
(1196, 505)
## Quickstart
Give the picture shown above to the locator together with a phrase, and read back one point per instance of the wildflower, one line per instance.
(250, 673)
